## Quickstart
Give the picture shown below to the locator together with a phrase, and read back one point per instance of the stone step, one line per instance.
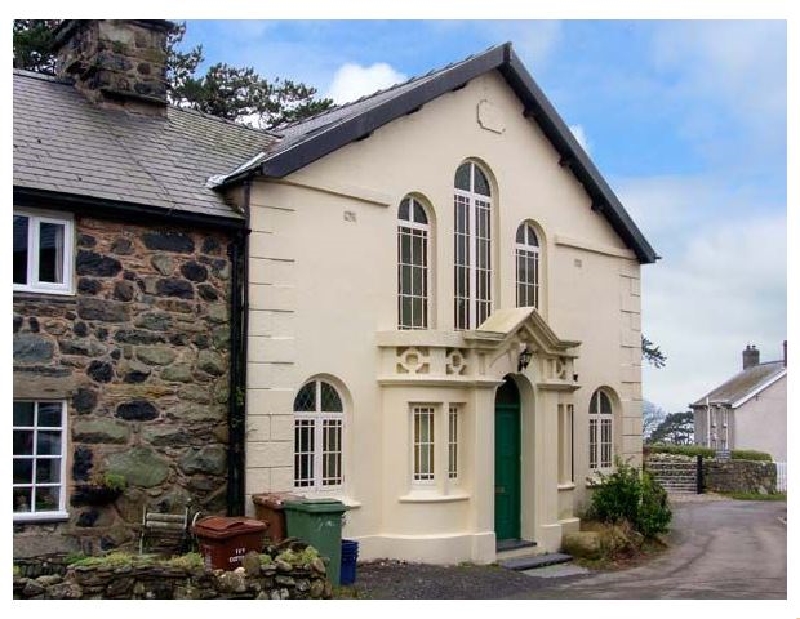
(534, 561)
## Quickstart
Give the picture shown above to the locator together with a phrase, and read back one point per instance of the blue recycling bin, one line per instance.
(347, 575)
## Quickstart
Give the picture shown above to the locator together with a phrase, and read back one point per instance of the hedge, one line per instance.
(699, 450)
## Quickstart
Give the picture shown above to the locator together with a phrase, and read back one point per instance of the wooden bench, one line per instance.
(170, 528)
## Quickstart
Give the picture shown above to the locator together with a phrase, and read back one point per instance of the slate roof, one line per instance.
(64, 143)
(744, 383)
(308, 140)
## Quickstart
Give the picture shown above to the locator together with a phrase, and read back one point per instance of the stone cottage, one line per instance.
(127, 292)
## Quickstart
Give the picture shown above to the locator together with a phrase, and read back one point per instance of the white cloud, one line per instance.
(720, 285)
(580, 135)
(352, 81)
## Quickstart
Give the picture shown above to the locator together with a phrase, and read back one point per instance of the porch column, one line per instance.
(548, 529)
(482, 492)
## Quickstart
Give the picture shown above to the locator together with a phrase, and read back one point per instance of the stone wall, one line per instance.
(140, 354)
(276, 580)
(748, 476)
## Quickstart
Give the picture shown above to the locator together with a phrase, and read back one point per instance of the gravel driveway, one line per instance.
(720, 549)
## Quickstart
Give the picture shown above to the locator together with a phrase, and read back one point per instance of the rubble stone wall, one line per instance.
(140, 355)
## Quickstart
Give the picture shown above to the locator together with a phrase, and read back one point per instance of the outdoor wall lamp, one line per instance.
(524, 359)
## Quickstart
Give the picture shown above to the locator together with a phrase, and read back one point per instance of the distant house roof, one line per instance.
(745, 385)
(65, 144)
(308, 140)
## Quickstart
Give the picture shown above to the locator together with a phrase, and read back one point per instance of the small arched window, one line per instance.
(473, 247)
(413, 231)
(526, 252)
(318, 432)
(601, 432)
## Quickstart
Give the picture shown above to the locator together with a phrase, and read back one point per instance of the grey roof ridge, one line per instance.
(779, 368)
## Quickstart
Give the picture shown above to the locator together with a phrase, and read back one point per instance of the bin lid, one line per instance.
(222, 527)
(275, 500)
(316, 506)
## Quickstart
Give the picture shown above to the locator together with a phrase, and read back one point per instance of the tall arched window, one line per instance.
(318, 432)
(412, 265)
(472, 247)
(526, 251)
(601, 431)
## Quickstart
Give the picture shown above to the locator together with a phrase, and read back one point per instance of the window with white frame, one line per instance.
(423, 422)
(472, 247)
(38, 459)
(452, 443)
(42, 252)
(601, 431)
(318, 437)
(526, 252)
(413, 230)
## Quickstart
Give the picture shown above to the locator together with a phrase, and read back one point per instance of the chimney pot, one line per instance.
(750, 357)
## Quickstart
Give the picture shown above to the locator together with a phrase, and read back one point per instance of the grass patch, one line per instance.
(604, 546)
(755, 496)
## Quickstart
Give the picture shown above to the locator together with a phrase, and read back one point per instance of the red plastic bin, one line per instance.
(225, 540)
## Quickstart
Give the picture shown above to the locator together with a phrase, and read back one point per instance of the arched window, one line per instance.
(413, 230)
(318, 431)
(601, 432)
(526, 251)
(472, 204)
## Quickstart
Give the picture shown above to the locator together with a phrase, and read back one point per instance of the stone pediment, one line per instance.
(520, 325)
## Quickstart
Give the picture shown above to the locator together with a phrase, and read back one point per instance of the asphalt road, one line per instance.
(720, 550)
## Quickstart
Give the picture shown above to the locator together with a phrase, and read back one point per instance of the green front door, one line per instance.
(506, 465)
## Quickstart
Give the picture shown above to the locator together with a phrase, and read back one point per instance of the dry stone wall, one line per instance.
(140, 354)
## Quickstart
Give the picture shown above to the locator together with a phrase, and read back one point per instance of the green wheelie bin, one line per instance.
(318, 522)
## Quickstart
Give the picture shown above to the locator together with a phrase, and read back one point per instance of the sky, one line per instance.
(686, 120)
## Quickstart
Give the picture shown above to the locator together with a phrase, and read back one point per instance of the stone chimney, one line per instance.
(116, 62)
(750, 357)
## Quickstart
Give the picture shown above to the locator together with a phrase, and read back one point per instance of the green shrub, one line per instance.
(628, 495)
(618, 496)
(654, 514)
(698, 450)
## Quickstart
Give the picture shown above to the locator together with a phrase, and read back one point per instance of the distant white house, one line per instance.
(748, 411)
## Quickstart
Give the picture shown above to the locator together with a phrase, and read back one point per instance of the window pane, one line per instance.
(419, 213)
(48, 470)
(23, 442)
(330, 399)
(521, 234)
(418, 315)
(605, 404)
(20, 249)
(405, 248)
(23, 470)
(481, 182)
(22, 499)
(47, 499)
(306, 398)
(23, 414)
(462, 177)
(402, 212)
(532, 240)
(49, 415)
(48, 443)
(593, 404)
(51, 252)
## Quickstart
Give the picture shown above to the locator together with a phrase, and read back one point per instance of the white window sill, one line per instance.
(57, 291)
(432, 497)
(566, 486)
(42, 517)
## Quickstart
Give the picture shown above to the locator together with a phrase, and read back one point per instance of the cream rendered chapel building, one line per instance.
(443, 316)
